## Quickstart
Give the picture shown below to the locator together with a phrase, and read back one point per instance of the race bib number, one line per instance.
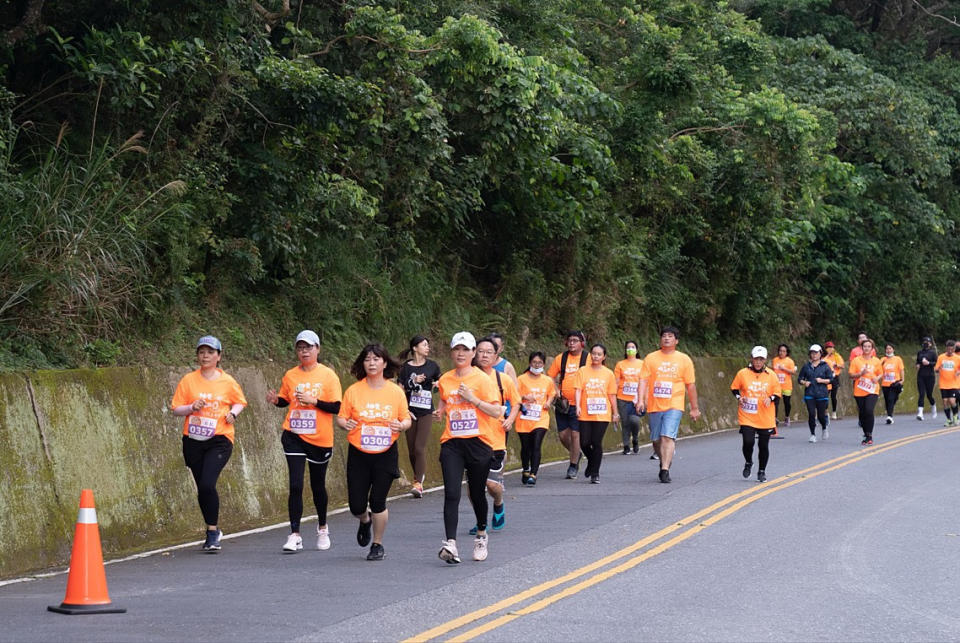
(464, 423)
(531, 412)
(596, 405)
(866, 385)
(374, 438)
(889, 377)
(948, 365)
(201, 428)
(750, 405)
(630, 388)
(421, 399)
(782, 377)
(303, 421)
(663, 390)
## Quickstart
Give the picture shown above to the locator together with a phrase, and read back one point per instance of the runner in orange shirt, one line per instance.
(947, 368)
(536, 392)
(563, 367)
(892, 380)
(836, 363)
(866, 371)
(627, 372)
(664, 376)
(756, 389)
(471, 403)
(374, 411)
(210, 400)
(596, 398)
(784, 368)
(312, 393)
(857, 350)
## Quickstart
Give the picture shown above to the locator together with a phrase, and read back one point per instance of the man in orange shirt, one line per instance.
(948, 368)
(664, 376)
(562, 370)
(756, 389)
(857, 351)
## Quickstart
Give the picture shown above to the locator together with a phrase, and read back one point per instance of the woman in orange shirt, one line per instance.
(892, 380)
(537, 392)
(596, 399)
(210, 400)
(865, 371)
(784, 368)
(627, 372)
(374, 411)
(312, 391)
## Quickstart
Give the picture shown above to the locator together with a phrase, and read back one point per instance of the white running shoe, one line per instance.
(294, 543)
(833, 416)
(889, 420)
(825, 433)
(480, 547)
(323, 538)
(812, 439)
(448, 552)
(920, 415)
(934, 414)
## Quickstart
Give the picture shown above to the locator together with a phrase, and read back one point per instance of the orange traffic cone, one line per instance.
(87, 581)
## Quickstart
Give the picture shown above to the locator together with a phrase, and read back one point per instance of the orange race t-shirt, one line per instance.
(310, 423)
(667, 375)
(786, 380)
(947, 368)
(219, 394)
(627, 372)
(573, 365)
(510, 394)
(836, 363)
(464, 420)
(534, 415)
(892, 370)
(756, 409)
(373, 409)
(866, 385)
(595, 386)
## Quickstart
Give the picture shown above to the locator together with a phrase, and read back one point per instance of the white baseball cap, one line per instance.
(815, 347)
(307, 336)
(211, 341)
(463, 338)
(759, 351)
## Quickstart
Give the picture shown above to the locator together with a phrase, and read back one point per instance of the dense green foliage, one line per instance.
(747, 170)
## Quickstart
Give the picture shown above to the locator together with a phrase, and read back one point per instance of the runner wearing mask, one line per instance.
(595, 391)
(756, 389)
(374, 412)
(784, 368)
(664, 376)
(836, 363)
(418, 376)
(510, 400)
(926, 377)
(627, 372)
(470, 402)
(815, 376)
(865, 371)
(947, 367)
(892, 383)
(536, 393)
(564, 366)
(312, 391)
(210, 401)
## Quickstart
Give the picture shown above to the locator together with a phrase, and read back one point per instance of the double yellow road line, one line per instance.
(629, 557)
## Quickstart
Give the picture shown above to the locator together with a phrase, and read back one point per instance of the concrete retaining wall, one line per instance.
(111, 430)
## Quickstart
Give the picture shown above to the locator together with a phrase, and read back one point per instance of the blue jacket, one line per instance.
(816, 390)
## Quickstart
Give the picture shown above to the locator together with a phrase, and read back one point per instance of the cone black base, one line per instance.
(66, 608)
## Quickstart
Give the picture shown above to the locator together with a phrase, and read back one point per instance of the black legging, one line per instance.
(417, 436)
(865, 406)
(925, 388)
(591, 443)
(762, 437)
(456, 456)
(835, 386)
(297, 466)
(786, 407)
(369, 478)
(816, 412)
(890, 396)
(629, 423)
(530, 444)
(206, 459)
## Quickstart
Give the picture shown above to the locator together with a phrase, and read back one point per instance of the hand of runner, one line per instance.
(272, 397)
(306, 399)
(395, 426)
(198, 404)
(350, 424)
(464, 392)
(694, 414)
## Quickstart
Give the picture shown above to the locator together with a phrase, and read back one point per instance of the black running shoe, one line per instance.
(761, 476)
(212, 542)
(363, 532)
(594, 479)
(664, 475)
(746, 469)
(626, 450)
(572, 472)
(376, 552)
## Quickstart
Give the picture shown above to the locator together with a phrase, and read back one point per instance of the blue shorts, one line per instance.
(565, 422)
(664, 424)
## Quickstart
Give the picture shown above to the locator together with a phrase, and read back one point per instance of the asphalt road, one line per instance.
(841, 543)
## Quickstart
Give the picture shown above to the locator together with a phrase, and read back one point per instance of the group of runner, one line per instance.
(482, 398)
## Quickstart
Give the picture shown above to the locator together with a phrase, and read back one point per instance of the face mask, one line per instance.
(631, 352)
(536, 370)
(889, 353)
